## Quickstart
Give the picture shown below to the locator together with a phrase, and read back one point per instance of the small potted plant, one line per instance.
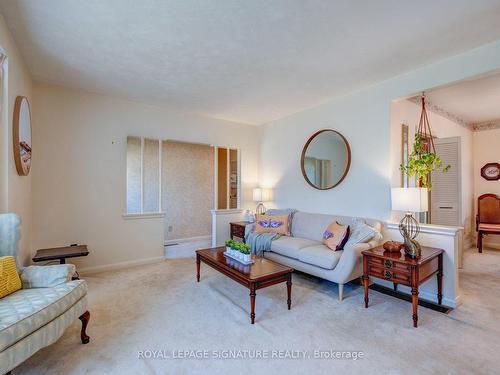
(236, 250)
(229, 243)
(247, 257)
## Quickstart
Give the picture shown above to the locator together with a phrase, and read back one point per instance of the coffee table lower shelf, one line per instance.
(261, 274)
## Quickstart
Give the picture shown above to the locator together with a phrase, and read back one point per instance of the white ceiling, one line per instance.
(249, 61)
(474, 100)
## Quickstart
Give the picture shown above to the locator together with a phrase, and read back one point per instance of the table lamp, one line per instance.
(261, 195)
(409, 200)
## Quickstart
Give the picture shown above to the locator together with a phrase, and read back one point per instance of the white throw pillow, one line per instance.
(362, 232)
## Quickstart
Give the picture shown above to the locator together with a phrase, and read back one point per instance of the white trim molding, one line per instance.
(145, 215)
(430, 228)
(188, 239)
(227, 212)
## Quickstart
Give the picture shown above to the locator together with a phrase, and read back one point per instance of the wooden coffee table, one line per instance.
(261, 274)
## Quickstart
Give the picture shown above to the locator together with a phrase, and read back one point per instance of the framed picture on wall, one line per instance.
(22, 135)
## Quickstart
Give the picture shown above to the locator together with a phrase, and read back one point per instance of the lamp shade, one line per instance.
(409, 199)
(262, 195)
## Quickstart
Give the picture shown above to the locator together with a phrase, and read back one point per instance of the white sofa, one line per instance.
(305, 252)
(37, 315)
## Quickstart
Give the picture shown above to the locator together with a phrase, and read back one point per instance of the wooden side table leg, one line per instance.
(366, 279)
(440, 279)
(252, 303)
(395, 286)
(289, 291)
(414, 301)
(480, 241)
(197, 268)
(414, 293)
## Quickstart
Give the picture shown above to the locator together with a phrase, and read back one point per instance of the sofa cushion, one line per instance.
(320, 256)
(26, 310)
(47, 276)
(312, 226)
(335, 236)
(272, 224)
(291, 246)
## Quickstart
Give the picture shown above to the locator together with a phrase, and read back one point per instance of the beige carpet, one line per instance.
(161, 307)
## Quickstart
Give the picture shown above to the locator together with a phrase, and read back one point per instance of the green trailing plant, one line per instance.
(422, 162)
(239, 246)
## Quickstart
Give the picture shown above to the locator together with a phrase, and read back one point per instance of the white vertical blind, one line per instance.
(446, 189)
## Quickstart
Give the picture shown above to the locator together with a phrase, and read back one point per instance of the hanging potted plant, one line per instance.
(423, 158)
(422, 162)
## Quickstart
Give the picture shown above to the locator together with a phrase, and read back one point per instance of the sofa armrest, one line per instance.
(350, 263)
(46, 276)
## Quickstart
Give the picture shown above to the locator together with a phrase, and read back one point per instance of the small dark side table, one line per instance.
(61, 253)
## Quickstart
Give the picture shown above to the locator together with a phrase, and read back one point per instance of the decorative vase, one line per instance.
(228, 249)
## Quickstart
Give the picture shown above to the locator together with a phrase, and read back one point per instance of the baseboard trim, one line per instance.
(119, 265)
(189, 239)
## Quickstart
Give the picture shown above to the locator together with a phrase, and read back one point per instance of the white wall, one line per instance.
(79, 183)
(15, 191)
(486, 150)
(406, 112)
(363, 117)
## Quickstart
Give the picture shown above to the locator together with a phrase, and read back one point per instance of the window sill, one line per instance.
(145, 215)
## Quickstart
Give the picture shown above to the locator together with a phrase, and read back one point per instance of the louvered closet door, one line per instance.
(446, 187)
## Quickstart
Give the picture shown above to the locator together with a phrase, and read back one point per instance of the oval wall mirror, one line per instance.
(22, 135)
(326, 158)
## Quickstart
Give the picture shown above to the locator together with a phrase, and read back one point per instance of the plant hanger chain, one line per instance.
(424, 127)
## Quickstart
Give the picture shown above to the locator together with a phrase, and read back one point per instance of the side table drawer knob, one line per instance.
(387, 263)
(388, 275)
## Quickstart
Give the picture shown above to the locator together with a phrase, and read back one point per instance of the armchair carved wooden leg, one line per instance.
(480, 241)
(85, 320)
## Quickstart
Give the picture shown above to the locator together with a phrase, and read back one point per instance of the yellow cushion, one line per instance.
(9, 278)
(274, 224)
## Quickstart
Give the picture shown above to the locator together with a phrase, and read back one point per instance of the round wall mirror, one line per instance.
(326, 158)
(22, 135)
